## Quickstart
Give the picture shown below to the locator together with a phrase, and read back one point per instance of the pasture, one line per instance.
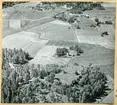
(46, 56)
(66, 78)
(54, 31)
(28, 41)
(49, 60)
(94, 37)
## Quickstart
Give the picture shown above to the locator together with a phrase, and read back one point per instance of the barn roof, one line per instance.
(18, 16)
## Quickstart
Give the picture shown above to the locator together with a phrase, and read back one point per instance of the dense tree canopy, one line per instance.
(15, 56)
(34, 84)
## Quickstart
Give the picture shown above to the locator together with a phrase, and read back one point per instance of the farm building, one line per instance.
(17, 21)
(6, 15)
(72, 53)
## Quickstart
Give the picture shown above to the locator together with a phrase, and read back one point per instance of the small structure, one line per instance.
(17, 21)
(72, 53)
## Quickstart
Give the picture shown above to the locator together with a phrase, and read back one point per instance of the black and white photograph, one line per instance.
(58, 52)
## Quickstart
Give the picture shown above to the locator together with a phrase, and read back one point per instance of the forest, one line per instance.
(28, 83)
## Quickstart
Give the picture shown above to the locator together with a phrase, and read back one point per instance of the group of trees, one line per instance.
(64, 51)
(61, 52)
(76, 48)
(98, 22)
(26, 84)
(15, 56)
(89, 85)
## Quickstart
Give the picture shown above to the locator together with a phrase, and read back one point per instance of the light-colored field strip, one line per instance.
(95, 38)
(45, 56)
(28, 41)
(49, 60)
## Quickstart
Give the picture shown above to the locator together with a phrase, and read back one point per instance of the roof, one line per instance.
(73, 52)
(18, 16)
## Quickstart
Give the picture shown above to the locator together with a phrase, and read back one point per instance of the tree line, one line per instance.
(15, 56)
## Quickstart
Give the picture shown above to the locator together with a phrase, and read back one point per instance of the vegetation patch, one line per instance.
(72, 51)
(15, 56)
(41, 86)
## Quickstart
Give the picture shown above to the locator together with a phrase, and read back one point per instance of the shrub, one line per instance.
(96, 20)
(108, 22)
(61, 51)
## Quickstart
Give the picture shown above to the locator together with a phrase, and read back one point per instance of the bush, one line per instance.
(78, 27)
(92, 25)
(61, 51)
(96, 20)
(108, 22)
(105, 33)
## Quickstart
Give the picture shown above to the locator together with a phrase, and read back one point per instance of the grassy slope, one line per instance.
(55, 31)
(26, 40)
(98, 56)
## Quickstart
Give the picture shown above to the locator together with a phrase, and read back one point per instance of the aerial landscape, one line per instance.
(58, 52)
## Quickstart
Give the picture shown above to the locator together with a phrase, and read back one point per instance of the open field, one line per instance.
(27, 27)
(46, 56)
(94, 37)
(42, 24)
(96, 59)
(19, 40)
(55, 30)
(49, 60)
(66, 78)
(108, 43)
(47, 51)
(108, 28)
